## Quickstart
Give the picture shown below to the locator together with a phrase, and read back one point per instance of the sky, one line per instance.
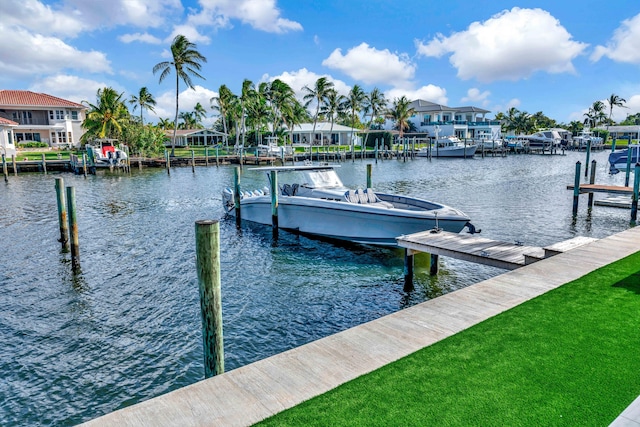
(553, 56)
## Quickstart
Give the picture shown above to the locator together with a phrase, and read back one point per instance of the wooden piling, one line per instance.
(274, 200)
(84, 165)
(592, 180)
(217, 159)
(408, 270)
(433, 268)
(4, 168)
(634, 199)
(62, 215)
(15, 166)
(236, 194)
(208, 266)
(576, 189)
(73, 227)
(193, 161)
(586, 164)
(613, 145)
(44, 164)
(167, 158)
(369, 175)
(206, 156)
(628, 170)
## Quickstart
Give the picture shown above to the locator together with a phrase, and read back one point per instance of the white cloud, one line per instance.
(427, 93)
(139, 37)
(262, 15)
(303, 77)
(72, 88)
(474, 95)
(370, 65)
(166, 103)
(23, 53)
(140, 13)
(35, 16)
(511, 45)
(624, 45)
(190, 32)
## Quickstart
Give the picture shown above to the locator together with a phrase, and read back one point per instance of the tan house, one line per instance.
(43, 118)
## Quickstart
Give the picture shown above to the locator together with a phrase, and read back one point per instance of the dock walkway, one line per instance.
(246, 395)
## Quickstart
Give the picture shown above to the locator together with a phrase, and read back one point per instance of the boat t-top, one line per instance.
(312, 200)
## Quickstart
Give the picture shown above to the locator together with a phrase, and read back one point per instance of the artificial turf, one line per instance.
(568, 357)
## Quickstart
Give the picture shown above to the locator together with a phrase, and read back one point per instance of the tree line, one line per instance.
(272, 109)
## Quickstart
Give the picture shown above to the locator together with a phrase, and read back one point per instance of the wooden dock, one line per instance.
(473, 248)
(597, 188)
(248, 394)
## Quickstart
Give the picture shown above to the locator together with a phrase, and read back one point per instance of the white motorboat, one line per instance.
(516, 143)
(448, 146)
(312, 200)
(545, 139)
(274, 150)
(105, 153)
(618, 159)
(586, 138)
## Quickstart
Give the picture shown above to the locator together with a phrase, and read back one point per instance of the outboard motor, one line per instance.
(227, 200)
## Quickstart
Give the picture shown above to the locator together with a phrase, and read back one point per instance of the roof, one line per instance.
(7, 122)
(26, 98)
(191, 132)
(421, 106)
(322, 127)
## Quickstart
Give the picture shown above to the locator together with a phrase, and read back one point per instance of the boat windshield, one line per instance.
(322, 179)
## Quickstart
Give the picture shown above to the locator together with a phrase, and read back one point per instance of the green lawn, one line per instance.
(569, 357)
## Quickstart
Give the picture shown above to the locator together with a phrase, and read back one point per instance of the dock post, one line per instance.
(208, 266)
(274, 201)
(62, 215)
(375, 151)
(167, 159)
(586, 164)
(4, 168)
(206, 156)
(193, 161)
(369, 175)
(44, 164)
(628, 171)
(236, 194)
(592, 180)
(15, 166)
(433, 268)
(408, 270)
(576, 189)
(84, 165)
(217, 159)
(73, 227)
(613, 145)
(634, 200)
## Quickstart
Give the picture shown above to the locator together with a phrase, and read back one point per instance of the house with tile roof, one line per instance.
(464, 122)
(43, 118)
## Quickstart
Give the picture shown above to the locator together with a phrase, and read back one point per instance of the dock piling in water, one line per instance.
(208, 266)
(408, 270)
(576, 189)
(14, 165)
(236, 194)
(369, 175)
(274, 201)
(634, 200)
(62, 215)
(592, 180)
(73, 227)
(44, 164)
(4, 168)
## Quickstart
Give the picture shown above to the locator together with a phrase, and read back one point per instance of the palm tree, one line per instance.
(317, 95)
(186, 62)
(144, 100)
(106, 118)
(165, 124)
(334, 104)
(615, 101)
(374, 102)
(595, 115)
(400, 113)
(223, 104)
(355, 102)
(199, 113)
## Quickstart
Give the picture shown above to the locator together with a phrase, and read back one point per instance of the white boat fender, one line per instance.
(227, 200)
(472, 228)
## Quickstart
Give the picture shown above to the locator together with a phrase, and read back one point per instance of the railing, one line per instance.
(461, 122)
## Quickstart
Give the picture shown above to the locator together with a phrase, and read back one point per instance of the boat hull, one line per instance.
(364, 224)
(468, 151)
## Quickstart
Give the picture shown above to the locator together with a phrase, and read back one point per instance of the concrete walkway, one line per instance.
(251, 393)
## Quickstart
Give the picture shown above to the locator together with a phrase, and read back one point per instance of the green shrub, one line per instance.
(32, 144)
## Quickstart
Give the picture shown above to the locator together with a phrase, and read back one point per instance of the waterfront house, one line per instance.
(463, 122)
(7, 145)
(325, 134)
(194, 137)
(42, 118)
(624, 132)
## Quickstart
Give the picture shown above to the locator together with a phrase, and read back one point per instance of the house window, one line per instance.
(59, 114)
(446, 118)
(458, 117)
(74, 115)
(426, 118)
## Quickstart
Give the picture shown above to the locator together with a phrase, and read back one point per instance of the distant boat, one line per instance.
(516, 143)
(586, 138)
(545, 139)
(274, 150)
(448, 146)
(618, 159)
(105, 153)
(312, 200)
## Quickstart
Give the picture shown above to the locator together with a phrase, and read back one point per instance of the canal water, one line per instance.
(127, 326)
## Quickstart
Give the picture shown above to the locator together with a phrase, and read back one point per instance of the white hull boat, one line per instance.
(449, 146)
(104, 153)
(312, 200)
